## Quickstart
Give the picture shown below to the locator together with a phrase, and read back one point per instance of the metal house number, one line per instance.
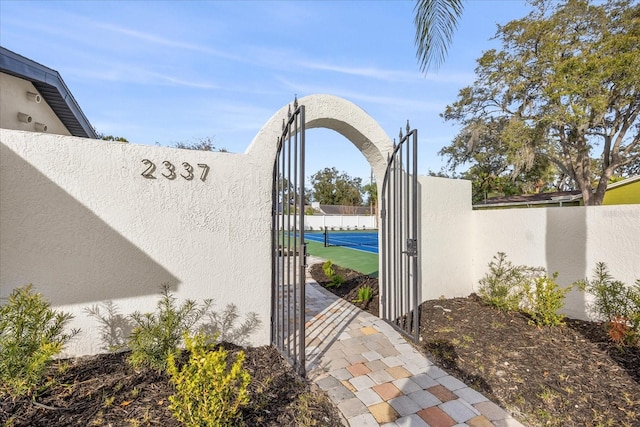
(170, 172)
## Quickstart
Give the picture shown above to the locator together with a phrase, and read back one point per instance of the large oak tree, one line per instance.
(330, 187)
(566, 85)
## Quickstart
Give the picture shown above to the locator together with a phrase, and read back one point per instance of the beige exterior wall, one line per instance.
(13, 100)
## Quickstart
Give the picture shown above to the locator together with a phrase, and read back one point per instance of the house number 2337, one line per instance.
(171, 171)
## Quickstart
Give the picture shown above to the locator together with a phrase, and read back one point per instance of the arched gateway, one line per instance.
(283, 140)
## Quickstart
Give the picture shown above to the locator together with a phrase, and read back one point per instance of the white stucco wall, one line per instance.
(445, 250)
(13, 100)
(79, 222)
(567, 240)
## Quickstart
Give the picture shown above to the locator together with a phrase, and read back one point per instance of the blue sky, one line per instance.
(175, 71)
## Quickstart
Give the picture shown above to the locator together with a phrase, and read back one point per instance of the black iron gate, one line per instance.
(288, 248)
(399, 239)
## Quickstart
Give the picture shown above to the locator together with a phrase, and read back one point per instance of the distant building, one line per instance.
(622, 192)
(34, 98)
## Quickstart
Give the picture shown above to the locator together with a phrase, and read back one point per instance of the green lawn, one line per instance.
(364, 262)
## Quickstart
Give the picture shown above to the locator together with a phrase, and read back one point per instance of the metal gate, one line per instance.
(399, 239)
(288, 248)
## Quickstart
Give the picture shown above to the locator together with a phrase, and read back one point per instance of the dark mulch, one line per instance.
(104, 390)
(570, 375)
(349, 289)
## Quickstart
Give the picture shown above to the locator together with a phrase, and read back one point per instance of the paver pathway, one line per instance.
(376, 378)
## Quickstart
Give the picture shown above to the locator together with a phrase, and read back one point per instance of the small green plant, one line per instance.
(365, 294)
(208, 392)
(336, 281)
(158, 335)
(503, 285)
(543, 299)
(327, 268)
(31, 333)
(615, 303)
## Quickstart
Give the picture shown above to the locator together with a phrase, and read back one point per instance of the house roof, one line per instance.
(623, 182)
(544, 198)
(52, 88)
(531, 199)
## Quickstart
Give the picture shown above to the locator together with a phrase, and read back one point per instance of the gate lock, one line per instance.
(412, 247)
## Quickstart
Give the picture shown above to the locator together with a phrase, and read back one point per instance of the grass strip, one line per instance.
(363, 262)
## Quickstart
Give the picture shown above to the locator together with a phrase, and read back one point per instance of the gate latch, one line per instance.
(412, 247)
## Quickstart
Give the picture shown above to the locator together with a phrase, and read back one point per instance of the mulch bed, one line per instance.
(570, 375)
(104, 390)
(349, 289)
(545, 376)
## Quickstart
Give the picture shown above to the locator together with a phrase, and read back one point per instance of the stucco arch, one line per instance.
(337, 114)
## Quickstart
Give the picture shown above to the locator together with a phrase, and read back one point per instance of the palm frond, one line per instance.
(436, 21)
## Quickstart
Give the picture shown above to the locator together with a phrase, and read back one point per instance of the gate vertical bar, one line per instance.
(414, 232)
(288, 247)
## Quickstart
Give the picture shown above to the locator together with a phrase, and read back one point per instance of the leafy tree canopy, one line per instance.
(203, 144)
(330, 187)
(490, 170)
(564, 90)
(106, 137)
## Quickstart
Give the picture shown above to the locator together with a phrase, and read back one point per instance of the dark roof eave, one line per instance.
(52, 88)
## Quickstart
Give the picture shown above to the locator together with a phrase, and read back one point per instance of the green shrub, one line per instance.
(327, 268)
(208, 392)
(31, 333)
(156, 336)
(615, 303)
(543, 300)
(336, 281)
(503, 285)
(365, 294)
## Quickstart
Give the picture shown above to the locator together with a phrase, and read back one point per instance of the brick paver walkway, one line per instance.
(376, 378)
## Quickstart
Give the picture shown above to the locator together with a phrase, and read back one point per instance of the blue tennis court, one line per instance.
(362, 240)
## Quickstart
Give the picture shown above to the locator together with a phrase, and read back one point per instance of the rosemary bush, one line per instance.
(156, 336)
(31, 333)
(615, 303)
(504, 284)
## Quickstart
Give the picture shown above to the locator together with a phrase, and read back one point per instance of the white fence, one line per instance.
(340, 222)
